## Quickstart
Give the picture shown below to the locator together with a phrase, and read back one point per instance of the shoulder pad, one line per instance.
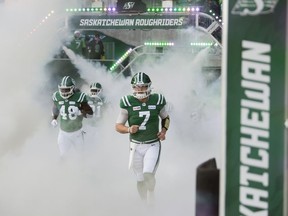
(125, 101)
(81, 97)
(160, 99)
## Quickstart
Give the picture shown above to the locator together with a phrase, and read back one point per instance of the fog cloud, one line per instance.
(35, 182)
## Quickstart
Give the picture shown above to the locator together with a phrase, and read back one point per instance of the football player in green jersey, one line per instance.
(78, 45)
(142, 110)
(71, 106)
(96, 99)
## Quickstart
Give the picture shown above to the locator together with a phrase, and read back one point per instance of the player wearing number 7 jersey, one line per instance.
(71, 106)
(142, 111)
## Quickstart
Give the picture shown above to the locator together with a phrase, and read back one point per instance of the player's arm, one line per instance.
(121, 121)
(55, 112)
(165, 123)
(86, 110)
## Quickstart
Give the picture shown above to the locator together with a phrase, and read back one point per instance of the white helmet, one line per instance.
(77, 34)
(95, 89)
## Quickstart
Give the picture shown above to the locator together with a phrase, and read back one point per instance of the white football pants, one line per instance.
(70, 141)
(145, 159)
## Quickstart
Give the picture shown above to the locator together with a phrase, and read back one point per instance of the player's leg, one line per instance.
(151, 162)
(137, 166)
(78, 140)
(64, 142)
(150, 182)
(142, 190)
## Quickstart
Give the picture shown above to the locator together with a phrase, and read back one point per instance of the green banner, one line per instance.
(130, 21)
(255, 107)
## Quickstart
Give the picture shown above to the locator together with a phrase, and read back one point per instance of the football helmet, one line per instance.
(141, 85)
(95, 89)
(77, 34)
(66, 87)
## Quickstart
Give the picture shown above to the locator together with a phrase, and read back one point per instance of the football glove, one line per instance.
(54, 123)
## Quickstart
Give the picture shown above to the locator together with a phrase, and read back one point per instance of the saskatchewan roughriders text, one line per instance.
(255, 128)
(131, 22)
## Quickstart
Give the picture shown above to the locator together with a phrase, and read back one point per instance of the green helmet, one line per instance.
(95, 89)
(141, 85)
(66, 87)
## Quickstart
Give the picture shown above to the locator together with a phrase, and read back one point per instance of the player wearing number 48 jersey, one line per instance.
(142, 111)
(71, 106)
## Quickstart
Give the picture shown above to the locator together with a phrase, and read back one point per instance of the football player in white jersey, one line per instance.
(96, 100)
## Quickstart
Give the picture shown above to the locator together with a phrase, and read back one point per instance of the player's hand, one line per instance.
(162, 135)
(54, 123)
(133, 129)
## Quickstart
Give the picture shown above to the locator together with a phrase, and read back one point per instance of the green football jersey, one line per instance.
(146, 115)
(69, 122)
(77, 45)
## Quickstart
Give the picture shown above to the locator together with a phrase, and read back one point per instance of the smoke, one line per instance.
(95, 181)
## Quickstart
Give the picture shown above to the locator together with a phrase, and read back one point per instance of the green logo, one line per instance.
(254, 7)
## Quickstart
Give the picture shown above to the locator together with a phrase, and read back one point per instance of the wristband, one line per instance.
(129, 130)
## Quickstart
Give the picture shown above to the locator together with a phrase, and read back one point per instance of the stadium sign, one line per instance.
(254, 8)
(255, 58)
(128, 21)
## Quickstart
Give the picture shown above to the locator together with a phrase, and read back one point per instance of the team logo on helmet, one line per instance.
(254, 7)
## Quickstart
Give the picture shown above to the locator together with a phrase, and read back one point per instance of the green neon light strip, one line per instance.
(126, 54)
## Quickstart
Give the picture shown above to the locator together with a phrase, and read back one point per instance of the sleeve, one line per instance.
(163, 106)
(122, 117)
(163, 113)
(54, 98)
